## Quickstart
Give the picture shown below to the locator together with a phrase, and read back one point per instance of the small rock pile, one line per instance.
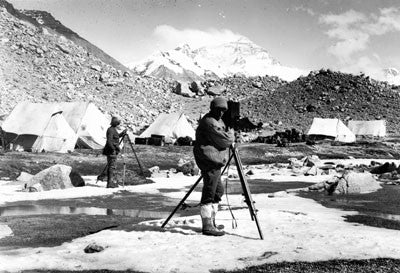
(326, 94)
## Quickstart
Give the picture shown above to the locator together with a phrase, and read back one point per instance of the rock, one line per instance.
(182, 89)
(76, 179)
(55, 177)
(187, 167)
(154, 169)
(257, 84)
(196, 88)
(385, 168)
(24, 177)
(215, 90)
(96, 68)
(93, 248)
(357, 183)
(64, 48)
(104, 76)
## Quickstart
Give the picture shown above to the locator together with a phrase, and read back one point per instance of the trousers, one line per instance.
(212, 186)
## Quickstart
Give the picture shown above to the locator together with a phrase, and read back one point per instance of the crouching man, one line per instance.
(111, 150)
(212, 141)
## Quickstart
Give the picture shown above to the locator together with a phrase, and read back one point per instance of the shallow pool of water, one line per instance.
(21, 210)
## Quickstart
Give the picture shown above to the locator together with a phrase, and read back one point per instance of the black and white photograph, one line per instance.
(200, 136)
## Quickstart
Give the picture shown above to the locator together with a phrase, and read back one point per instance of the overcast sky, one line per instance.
(340, 34)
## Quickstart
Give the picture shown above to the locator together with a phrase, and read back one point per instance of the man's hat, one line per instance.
(219, 102)
(115, 119)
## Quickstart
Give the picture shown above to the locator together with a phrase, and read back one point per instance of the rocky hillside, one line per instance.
(42, 66)
(45, 19)
(326, 94)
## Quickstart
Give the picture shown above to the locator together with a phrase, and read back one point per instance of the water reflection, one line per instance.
(21, 210)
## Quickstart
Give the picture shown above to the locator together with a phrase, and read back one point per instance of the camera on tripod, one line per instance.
(231, 117)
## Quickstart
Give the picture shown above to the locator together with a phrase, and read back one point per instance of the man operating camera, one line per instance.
(111, 150)
(212, 141)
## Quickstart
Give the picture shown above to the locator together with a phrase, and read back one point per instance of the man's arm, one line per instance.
(123, 133)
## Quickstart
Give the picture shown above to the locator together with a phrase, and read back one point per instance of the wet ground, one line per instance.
(379, 209)
(48, 222)
(52, 222)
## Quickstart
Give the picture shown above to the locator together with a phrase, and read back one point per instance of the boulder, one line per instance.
(93, 248)
(187, 167)
(56, 177)
(182, 89)
(353, 183)
(385, 168)
(215, 90)
(196, 88)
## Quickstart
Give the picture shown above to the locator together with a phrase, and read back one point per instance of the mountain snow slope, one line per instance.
(238, 57)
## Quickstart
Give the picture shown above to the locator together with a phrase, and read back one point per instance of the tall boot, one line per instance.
(208, 226)
(213, 215)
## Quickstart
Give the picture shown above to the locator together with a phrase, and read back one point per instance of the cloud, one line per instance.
(352, 31)
(169, 37)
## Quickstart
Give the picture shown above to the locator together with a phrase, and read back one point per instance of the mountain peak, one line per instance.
(223, 60)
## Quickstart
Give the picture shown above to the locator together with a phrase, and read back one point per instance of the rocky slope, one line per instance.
(42, 66)
(47, 20)
(326, 94)
(241, 57)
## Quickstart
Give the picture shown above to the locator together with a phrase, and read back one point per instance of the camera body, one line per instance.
(232, 116)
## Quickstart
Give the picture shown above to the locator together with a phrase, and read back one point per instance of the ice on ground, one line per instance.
(12, 191)
(295, 229)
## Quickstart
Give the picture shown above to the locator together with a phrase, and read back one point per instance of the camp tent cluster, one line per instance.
(336, 129)
(56, 127)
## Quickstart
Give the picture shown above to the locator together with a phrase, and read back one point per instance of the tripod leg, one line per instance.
(182, 201)
(134, 152)
(246, 191)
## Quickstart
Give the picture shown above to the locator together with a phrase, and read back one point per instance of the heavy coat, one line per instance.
(112, 144)
(212, 140)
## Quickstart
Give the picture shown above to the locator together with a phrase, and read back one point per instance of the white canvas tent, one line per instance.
(171, 126)
(376, 128)
(88, 122)
(333, 128)
(30, 124)
(57, 136)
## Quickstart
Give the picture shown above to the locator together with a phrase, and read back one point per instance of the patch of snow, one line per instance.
(295, 229)
(5, 231)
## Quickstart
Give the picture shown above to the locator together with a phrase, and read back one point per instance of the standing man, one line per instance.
(111, 150)
(212, 141)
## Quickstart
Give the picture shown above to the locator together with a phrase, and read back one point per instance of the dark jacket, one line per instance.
(212, 140)
(112, 144)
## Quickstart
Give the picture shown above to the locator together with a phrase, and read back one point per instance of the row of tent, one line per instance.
(60, 127)
(336, 129)
(55, 127)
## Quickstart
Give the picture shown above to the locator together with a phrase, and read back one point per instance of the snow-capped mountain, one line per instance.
(238, 57)
(392, 75)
